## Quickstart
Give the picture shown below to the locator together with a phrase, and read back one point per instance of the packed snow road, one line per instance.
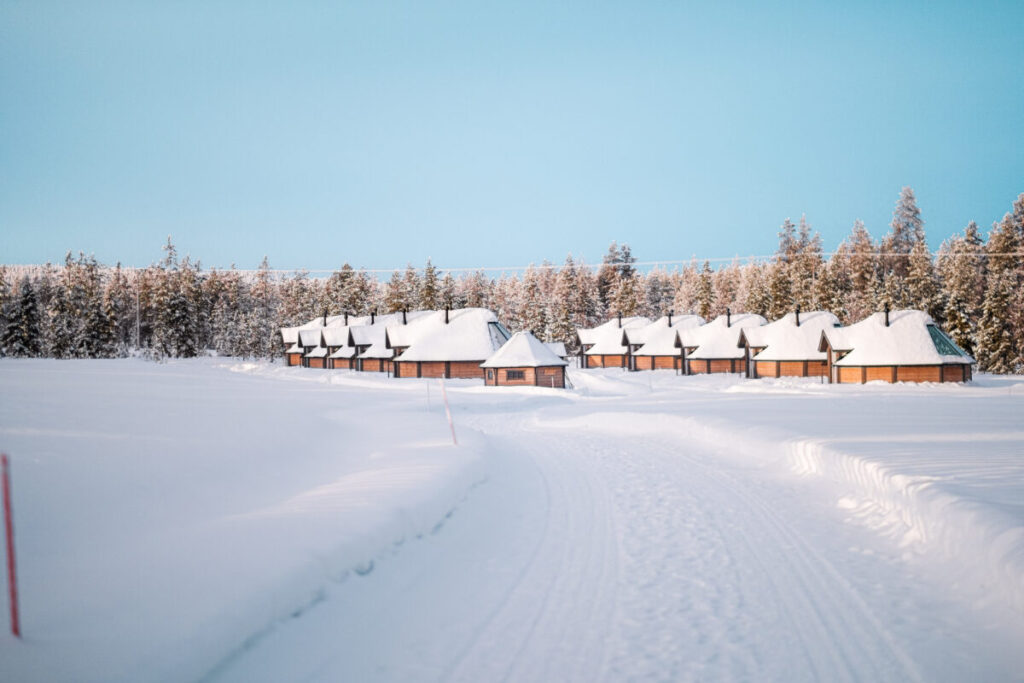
(589, 557)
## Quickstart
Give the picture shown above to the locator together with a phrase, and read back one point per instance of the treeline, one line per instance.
(973, 287)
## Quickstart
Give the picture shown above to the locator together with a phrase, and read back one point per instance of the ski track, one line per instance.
(648, 562)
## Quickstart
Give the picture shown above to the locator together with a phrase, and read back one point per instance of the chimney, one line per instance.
(325, 317)
(403, 317)
(887, 314)
(373, 315)
(798, 316)
(446, 310)
(728, 317)
(346, 318)
(670, 318)
(620, 320)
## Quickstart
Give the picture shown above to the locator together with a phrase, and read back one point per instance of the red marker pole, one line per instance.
(12, 577)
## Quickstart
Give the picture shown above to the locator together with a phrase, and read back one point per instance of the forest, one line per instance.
(972, 286)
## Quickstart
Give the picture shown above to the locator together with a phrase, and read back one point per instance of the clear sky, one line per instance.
(486, 134)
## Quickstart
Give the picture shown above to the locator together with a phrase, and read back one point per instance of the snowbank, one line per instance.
(169, 514)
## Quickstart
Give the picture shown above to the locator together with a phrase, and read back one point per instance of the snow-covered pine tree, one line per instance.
(997, 350)
(412, 287)
(338, 291)
(22, 334)
(608, 273)
(449, 292)
(119, 299)
(1000, 331)
(394, 296)
(685, 300)
(862, 267)
(727, 283)
(923, 290)
(532, 304)
(805, 266)
(262, 319)
(657, 293)
(705, 292)
(587, 309)
(907, 229)
(474, 290)
(756, 297)
(561, 324)
(505, 298)
(430, 289)
(627, 295)
(832, 286)
(961, 267)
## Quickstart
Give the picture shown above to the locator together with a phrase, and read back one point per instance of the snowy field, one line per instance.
(214, 520)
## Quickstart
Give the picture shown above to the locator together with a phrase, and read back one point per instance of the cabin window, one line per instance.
(515, 374)
(490, 374)
(943, 344)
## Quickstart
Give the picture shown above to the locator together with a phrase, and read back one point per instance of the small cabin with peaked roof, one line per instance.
(896, 346)
(310, 343)
(714, 348)
(787, 347)
(653, 347)
(524, 360)
(606, 346)
(448, 343)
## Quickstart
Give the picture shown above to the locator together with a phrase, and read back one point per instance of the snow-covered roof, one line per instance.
(523, 350)
(659, 338)
(469, 334)
(557, 348)
(336, 336)
(591, 335)
(290, 335)
(294, 348)
(911, 338)
(719, 338)
(785, 340)
(374, 337)
(609, 339)
(318, 352)
(343, 352)
(310, 337)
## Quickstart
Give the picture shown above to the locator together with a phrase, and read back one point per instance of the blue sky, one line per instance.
(483, 134)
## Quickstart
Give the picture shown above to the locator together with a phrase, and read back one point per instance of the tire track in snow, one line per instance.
(550, 623)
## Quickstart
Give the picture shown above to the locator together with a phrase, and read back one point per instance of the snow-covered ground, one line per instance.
(228, 521)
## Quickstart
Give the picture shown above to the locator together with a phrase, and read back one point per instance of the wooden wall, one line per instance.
(656, 362)
(316, 363)
(294, 358)
(702, 367)
(904, 373)
(618, 361)
(548, 376)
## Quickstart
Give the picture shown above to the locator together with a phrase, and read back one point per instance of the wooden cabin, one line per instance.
(606, 346)
(787, 347)
(653, 347)
(293, 355)
(558, 348)
(339, 352)
(714, 347)
(896, 346)
(446, 343)
(524, 360)
(314, 355)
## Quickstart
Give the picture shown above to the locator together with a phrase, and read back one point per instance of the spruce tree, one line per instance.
(961, 267)
(22, 334)
(907, 229)
(705, 292)
(923, 290)
(430, 289)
